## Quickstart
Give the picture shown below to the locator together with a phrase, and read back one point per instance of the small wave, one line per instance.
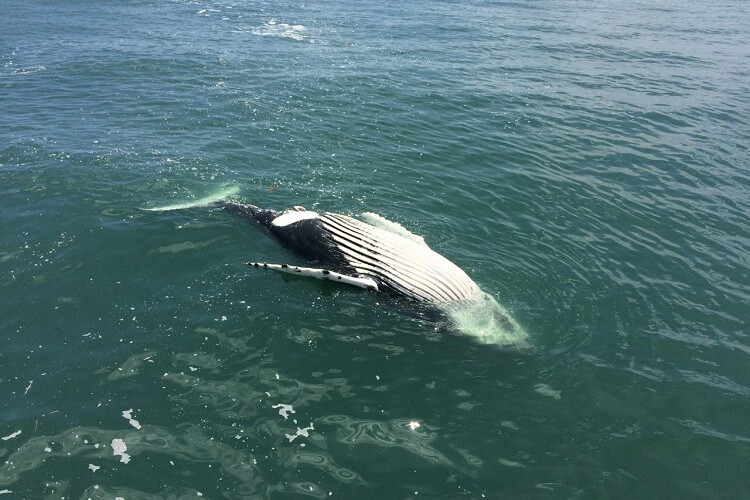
(20, 71)
(30, 69)
(282, 30)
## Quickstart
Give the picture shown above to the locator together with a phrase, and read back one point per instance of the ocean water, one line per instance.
(585, 162)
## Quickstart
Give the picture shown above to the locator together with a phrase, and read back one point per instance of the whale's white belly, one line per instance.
(407, 266)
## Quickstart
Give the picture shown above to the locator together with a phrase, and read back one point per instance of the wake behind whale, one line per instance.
(378, 255)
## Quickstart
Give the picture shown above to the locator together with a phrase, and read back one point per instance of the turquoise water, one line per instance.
(586, 163)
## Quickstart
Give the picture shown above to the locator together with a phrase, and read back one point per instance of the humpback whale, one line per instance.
(360, 254)
(377, 255)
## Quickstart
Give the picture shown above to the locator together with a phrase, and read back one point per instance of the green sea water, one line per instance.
(586, 163)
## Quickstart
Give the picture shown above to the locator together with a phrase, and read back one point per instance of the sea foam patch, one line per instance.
(281, 30)
(301, 431)
(11, 436)
(128, 415)
(284, 410)
(120, 448)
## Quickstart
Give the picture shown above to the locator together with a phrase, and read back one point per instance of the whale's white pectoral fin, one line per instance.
(321, 274)
(390, 226)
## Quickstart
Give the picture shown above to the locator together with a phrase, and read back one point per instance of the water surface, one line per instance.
(586, 163)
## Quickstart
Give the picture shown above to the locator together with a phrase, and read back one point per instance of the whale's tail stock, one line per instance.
(216, 199)
(223, 199)
(250, 212)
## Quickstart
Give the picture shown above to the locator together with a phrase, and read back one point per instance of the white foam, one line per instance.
(26, 71)
(129, 416)
(509, 463)
(485, 320)
(281, 30)
(202, 202)
(548, 391)
(11, 436)
(301, 431)
(119, 448)
(284, 410)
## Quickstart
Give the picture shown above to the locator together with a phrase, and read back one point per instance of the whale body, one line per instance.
(380, 255)
(360, 254)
